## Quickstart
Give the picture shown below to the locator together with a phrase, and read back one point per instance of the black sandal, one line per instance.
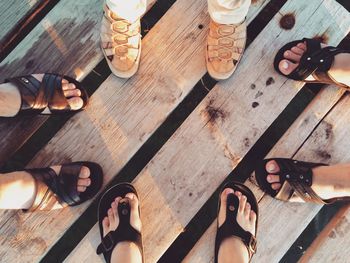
(316, 61)
(124, 231)
(61, 189)
(47, 95)
(230, 227)
(295, 179)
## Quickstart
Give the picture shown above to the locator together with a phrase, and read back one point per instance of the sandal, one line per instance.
(230, 227)
(296, 181)
(316, 61)
(45, 97)
(124, 231)
(53, 190)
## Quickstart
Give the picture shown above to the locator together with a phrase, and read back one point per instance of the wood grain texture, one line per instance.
(271, 248)
(13, 12)
(332, 244)
(67, 42)
(220, 131)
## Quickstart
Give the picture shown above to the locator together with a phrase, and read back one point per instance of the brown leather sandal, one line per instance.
(46, 96)
(296, 181)
(58, 191)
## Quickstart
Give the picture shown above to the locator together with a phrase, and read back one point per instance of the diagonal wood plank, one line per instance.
(271, 248)
(13, 12)
(65, 41)
(121, 117)
(221, 130)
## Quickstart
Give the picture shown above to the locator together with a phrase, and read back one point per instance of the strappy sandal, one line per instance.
(316, 61)
(124, 231)
(225, 47)
(231, 227)
(295, 179)
(53, 191)
(45, 97)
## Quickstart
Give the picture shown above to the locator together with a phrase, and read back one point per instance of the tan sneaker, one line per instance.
(225, 46)
(121, 44)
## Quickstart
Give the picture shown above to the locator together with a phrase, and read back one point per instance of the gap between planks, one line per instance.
(182, 170)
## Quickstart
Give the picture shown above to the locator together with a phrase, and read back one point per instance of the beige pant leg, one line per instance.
(128, 9)
(228, 11)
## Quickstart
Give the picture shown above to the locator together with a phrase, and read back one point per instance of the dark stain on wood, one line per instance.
(190, 194)
(246, 142)
(253, 86)
(287, 21)
(200, 26)
(328, 130)
(332, 235)
(255, 104)
(214, 113)
(259, 94)
(323, 154)
(270, 81)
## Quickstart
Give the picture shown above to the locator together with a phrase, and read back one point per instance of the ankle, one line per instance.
(10, 100)
(341, 68)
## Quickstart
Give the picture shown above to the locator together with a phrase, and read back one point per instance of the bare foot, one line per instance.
(124, 251)
(233, 249)
(340, 69)
(10, 97)
(327, 182)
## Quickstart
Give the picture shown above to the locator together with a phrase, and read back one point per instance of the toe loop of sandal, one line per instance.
(231, 228)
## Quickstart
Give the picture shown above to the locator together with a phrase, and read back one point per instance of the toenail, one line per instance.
(244, 197)
(271, 167)
(287, 53)
(285, 65)
(248, 205)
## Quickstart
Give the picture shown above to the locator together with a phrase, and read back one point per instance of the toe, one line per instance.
(84, 172)
(135, 220)
(302, 46)
(291, 56)
(272, 167)
(247, 210)
(81, 189)
(272, 178)
(75, 103)
(105, 226)
(242, 203)
(276, 186)
(72, 93)
(223, 205)
(64, 81)
(84, 182)
(111, 218)
(287, 67)
(297, 50)
(68, 86)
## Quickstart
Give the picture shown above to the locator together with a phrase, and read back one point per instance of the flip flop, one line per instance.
(231, 227)
(316, 61)
(61, 189)
(296, 180)
(46, 97)
(124, 231)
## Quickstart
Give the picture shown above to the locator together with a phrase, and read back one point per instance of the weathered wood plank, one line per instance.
(273, 213)
(66, 41)
(12, 13)
(332, 244)
(221, 130)
(121, 117)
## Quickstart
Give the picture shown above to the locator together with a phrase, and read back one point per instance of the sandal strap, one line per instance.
(316, 61)
(36, 96)
(124, 232)
(53, 188)
(231, 228)
(296, 179)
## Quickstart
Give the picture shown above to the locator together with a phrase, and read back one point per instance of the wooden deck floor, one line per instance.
(174, 132)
